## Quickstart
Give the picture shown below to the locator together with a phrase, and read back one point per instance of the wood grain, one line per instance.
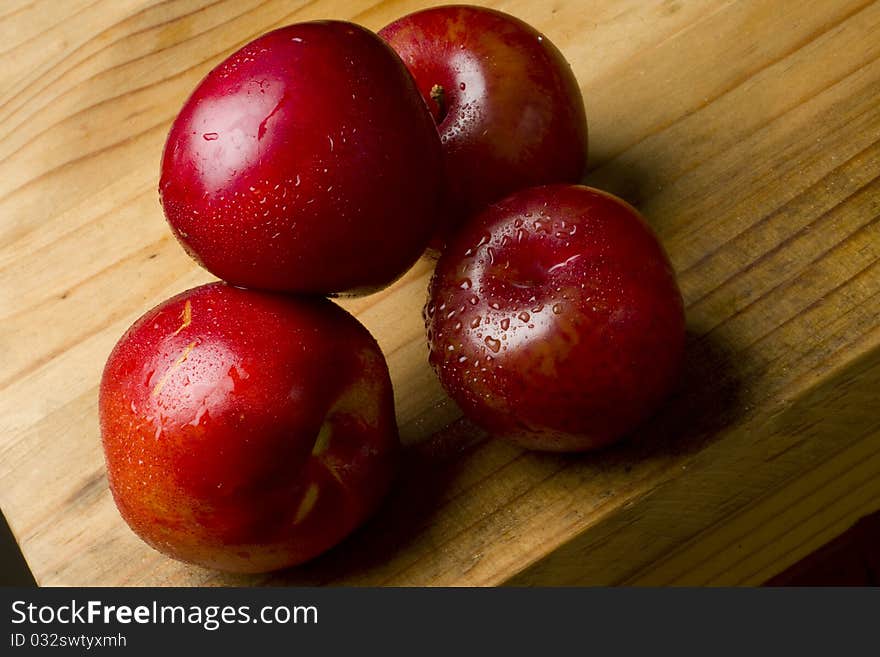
(790, 524)
(747, 132)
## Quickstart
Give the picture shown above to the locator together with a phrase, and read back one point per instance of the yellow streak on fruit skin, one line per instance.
(185, 317)
(307, 503)
(322, 442)
(359, 400)
(333, 472)
(177, 363)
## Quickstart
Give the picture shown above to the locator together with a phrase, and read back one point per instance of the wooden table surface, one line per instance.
(747, 132)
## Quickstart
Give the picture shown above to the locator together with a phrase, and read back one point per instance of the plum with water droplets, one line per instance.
(305, 162)
(247, 431)
(579, 323)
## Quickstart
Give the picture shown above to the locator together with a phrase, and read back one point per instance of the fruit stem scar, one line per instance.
(177, 363)
(185, 317)
(438, 95)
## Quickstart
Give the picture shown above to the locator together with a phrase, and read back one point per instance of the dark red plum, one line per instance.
(508, 107)
(247, 431)
(305, 162)
(554, 319)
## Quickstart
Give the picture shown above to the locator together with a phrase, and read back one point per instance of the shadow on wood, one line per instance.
(436, 474)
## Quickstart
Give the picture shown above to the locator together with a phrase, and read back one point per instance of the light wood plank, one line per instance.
(747, 132)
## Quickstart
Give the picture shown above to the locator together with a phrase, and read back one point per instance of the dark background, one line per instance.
(13, 569)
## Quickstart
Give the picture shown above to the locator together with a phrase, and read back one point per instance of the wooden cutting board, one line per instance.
(747, 132)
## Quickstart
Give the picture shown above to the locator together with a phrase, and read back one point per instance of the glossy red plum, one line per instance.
(554, 319)
(508, 107)
(305, 162)
(247, 431)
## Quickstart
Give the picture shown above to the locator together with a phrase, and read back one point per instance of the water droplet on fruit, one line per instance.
(462, 359)
(495, 305)
(524, 316)
(491, 252)
(462, 86)
(474, 301)
(475, 322)
(210, 136)
(557, 308)
(505, 324)
(564, 263)
(493, 344)
(465, 284)
(518, 223)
